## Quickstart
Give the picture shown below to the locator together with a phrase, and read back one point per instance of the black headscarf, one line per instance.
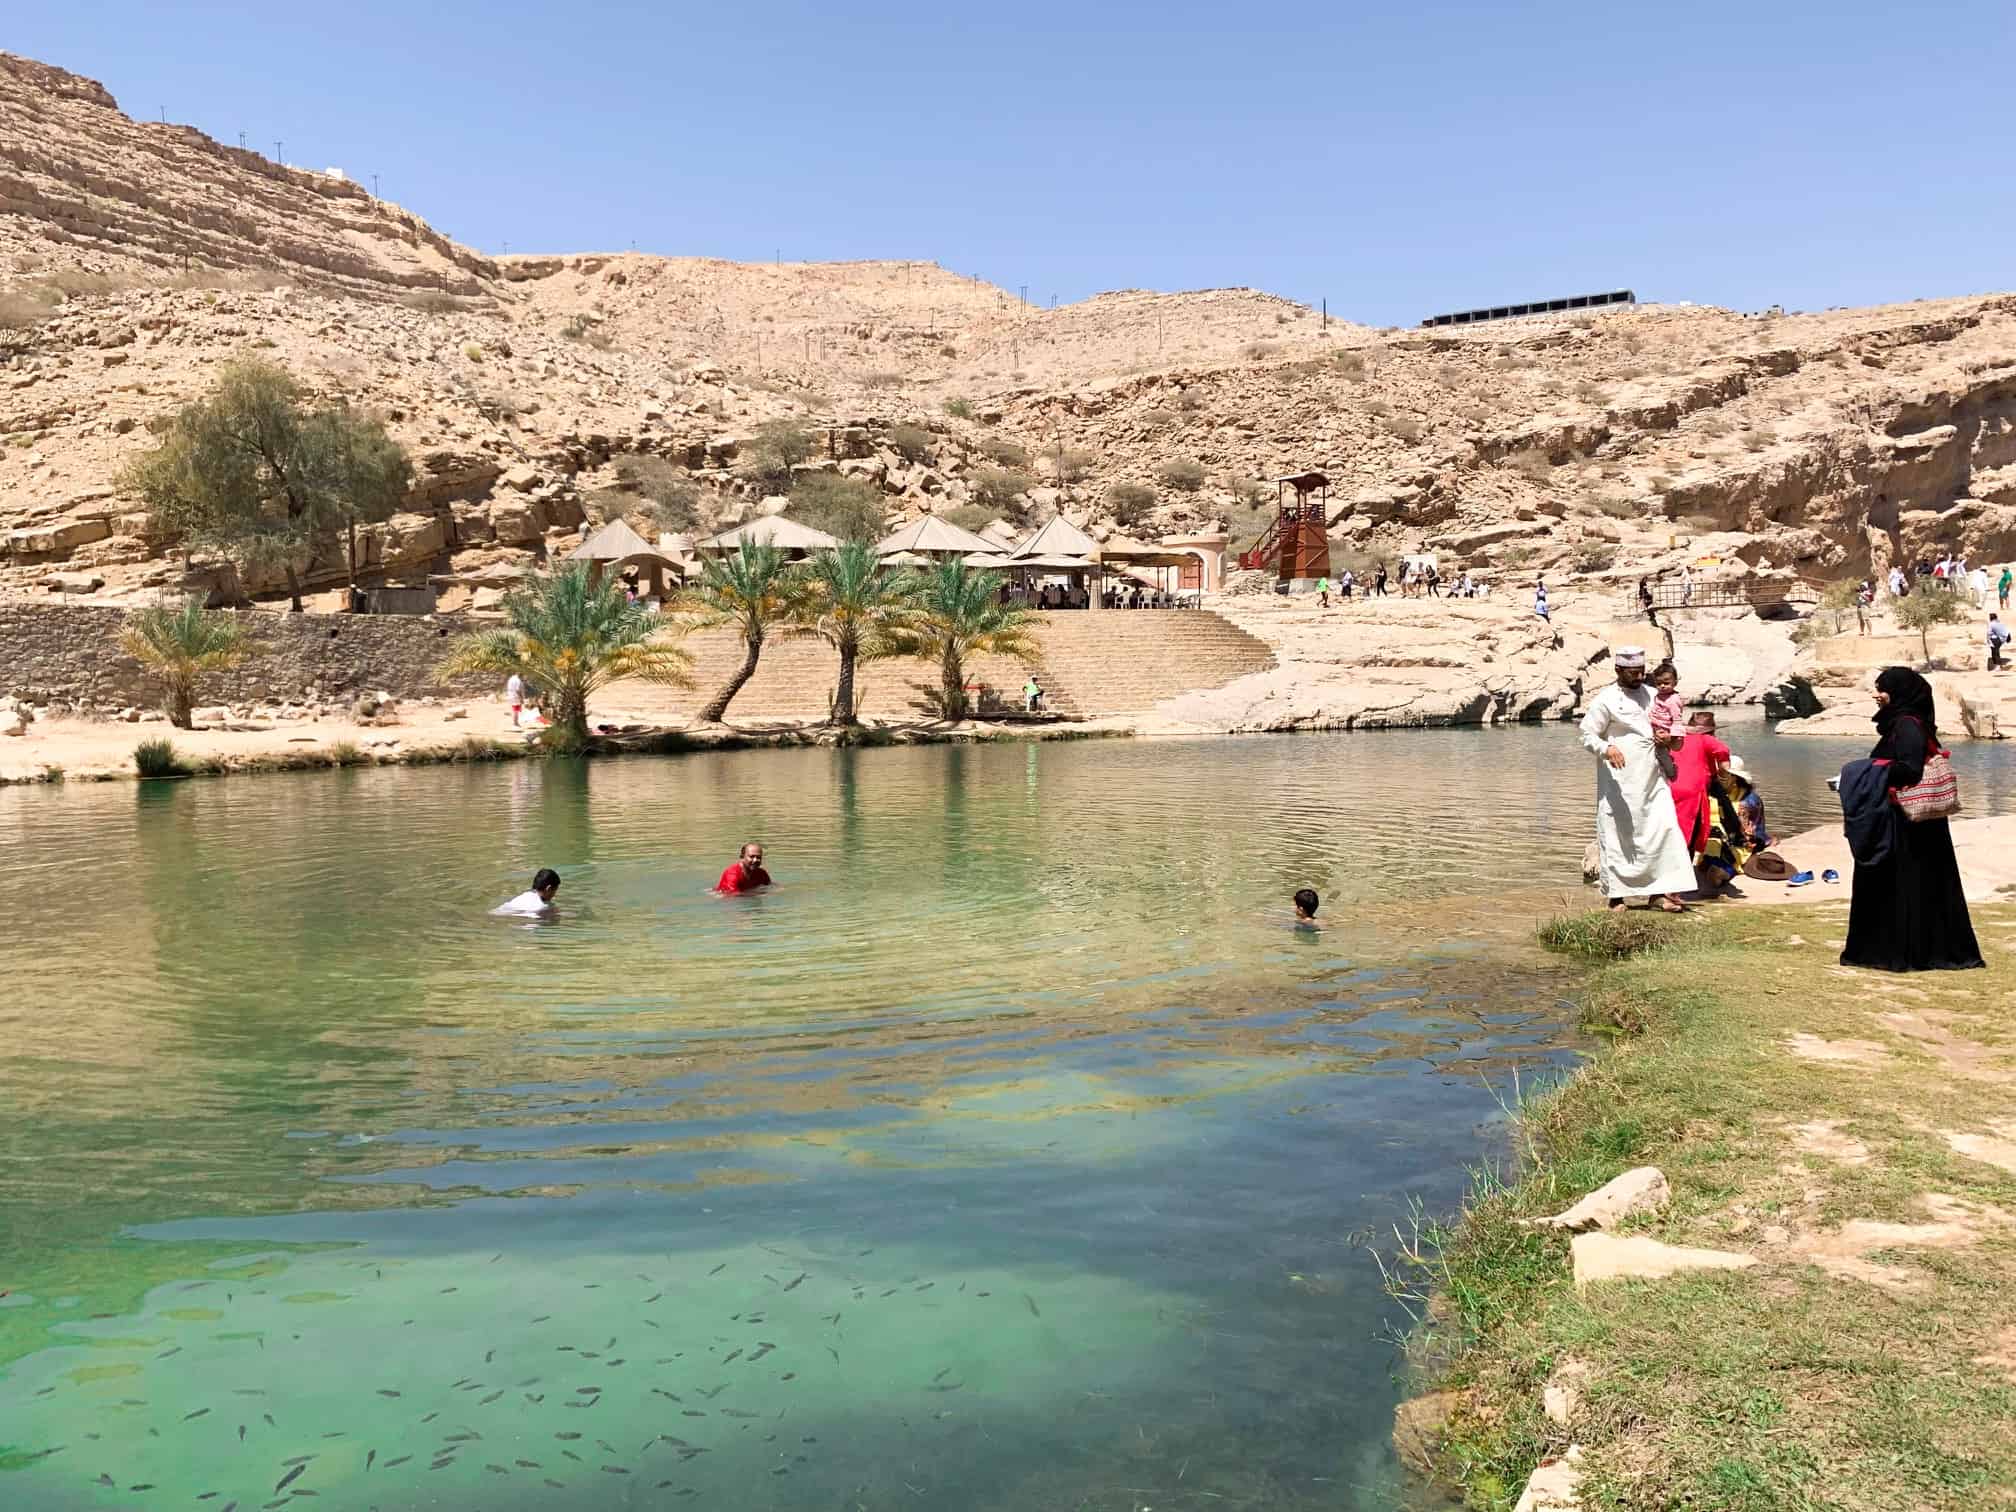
(1909, 694)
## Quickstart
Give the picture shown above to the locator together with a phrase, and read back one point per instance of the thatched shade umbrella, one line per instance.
(616, 546)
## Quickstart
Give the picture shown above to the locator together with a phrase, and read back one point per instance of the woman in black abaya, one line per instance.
(1909, 912)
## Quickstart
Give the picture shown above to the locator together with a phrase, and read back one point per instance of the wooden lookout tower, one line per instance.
(1302, 529)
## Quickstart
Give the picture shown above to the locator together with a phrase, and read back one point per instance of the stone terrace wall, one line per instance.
(69, 653)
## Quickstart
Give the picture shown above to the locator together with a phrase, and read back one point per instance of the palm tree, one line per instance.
(957, 613)
(755, 589)
(176, 642)
(571, 633)
(853, 605)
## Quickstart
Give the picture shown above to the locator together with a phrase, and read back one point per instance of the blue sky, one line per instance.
(1399, 159)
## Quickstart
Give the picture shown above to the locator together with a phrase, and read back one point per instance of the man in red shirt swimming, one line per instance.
(745, 874)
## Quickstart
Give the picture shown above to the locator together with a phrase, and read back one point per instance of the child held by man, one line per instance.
(1668, 714)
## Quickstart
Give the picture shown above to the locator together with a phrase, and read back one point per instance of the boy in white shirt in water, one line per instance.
(537, 903)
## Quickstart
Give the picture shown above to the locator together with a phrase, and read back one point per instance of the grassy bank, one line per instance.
(1853, 1134)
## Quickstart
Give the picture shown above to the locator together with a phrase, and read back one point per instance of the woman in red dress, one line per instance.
(1698, 758)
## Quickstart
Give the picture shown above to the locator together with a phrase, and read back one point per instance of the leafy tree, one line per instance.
(671, 498)
(1001, 489)
(1185, 474)
(849, 508)
(756, 589)
(255, 473)
(570, 634)
(1927, 605)
(776, 448)
(973, 517)
(853, 605)
(956, 613)
(178, 643)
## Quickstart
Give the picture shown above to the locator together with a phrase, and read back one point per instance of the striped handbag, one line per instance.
(1936, 793)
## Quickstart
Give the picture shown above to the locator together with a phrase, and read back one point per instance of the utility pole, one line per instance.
(280, 153)
(1025, 296)
(374, 187)
(1326, 312)
(241, 141)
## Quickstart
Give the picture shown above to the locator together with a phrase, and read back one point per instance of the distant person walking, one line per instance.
(514, 695)
(1323, 593)
(1865, 599)
(1998, 637)
(1909, 911)
(1640, 851)
(1540, 608)
(1379, 581)
(2002, 587)
(1978, 581)
(1899, 584)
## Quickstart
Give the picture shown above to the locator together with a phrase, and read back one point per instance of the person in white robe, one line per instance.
(1640, 850)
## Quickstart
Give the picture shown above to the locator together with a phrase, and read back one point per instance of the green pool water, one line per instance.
(1014, 1153)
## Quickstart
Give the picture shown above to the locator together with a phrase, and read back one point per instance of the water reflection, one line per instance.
(1008, 1155)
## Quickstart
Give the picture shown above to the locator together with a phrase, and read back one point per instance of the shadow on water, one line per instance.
(1010, 1154)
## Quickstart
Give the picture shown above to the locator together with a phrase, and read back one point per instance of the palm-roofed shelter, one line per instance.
(795, 540)
(616, 546)
(932, 537)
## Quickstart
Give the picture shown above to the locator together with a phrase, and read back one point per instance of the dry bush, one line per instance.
(1000, 489)
(849, 508)
(1446, 374)
(431, 302)
(668, 495)
(1353, 364)
(1590, 389)
(1404, 428)
(1004, 453)
(1475, 414)
(776, 448)
(22, 306)
(1701, 524)
(1185, 474)
(1616, 506)
(1074, 464)
(1661, 484)
(1378, 408)
(1759, 439)
(912, 443)
(1253, 351)
(1159, 418)
(472, 351)
(1189, 401)
(1130, 503)
(959, 409)
(1595, 558)
(1716, 425)
(973, 517)
(882, 380)
(1533, 466)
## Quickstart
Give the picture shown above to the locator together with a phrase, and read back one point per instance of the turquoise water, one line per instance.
(1014, 1152)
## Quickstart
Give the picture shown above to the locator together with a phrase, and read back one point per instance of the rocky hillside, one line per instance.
(537, 393)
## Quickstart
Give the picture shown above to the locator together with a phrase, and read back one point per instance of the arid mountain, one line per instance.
(536, 392)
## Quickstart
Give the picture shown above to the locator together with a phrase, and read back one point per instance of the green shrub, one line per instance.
(912, 443)
(1000, 489)
(1184, 474)
(1404, 428)
(1925, 606)
(1609, 935)
(472, 351)
(973, 517)
(1617, 506)
(158, 758)
(848, 508)
(1130, 503)
(432, 302)
(959, 409)
(1004, 453)
(346, 753)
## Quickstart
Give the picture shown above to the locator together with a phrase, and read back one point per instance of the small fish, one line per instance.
(543, 1318)
(948, 1386)
(106, 1480)
(614, 1470)
(1034, 1310)
(299, 1459)
(649, 1324)
(762, 1348)
(587, 1391)
(535, 1397)
(692, 1412)
(430, 1417)
(832, 1317)
(241, 1433)
(167, 1352)
(526, 1464)
(670, 1396)
(942, 1374)
(556, 1485)
(925, 1287)
(467, 1435)
(269, 1420)
(649, 1300)
(718, 1269)
(892, 1291)
(370, 1460)
(384, 1393)
(794, 1285)
(394, 1464)
(573, 1456)
(733, 1358)
(736, 1412)
(489, 1355)
(210, 1496)
(710, 1395)
(496, 1257)
(490, 1398)
(447, 1289)
(789, 1375)
(446, 1459)
(833, 1352)
(290, 1477)
(496, 1469)
(567, 1437)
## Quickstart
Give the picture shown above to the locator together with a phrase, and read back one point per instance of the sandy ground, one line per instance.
(1986, 848)
(90, 750)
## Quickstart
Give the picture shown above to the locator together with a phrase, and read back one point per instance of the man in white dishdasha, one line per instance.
(1637, 831)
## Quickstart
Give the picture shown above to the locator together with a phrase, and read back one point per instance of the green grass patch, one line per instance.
(1785, 1386)
(158, 758)
(1610, 934)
